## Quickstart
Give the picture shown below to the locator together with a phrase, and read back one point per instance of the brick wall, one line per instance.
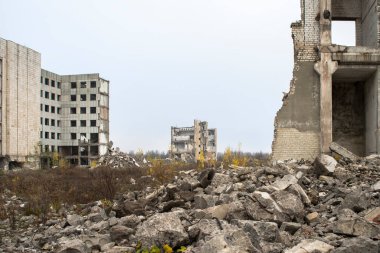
(290, 143)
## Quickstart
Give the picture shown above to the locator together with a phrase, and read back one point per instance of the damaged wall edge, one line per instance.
(334, 93)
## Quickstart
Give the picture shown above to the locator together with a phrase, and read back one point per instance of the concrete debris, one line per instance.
(118, 160)
(343, 152)
(259, 209)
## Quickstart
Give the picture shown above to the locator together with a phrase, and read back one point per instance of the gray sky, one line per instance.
(169, 61)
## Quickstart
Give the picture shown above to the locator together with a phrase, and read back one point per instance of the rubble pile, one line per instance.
(118, 160)
(292, 207)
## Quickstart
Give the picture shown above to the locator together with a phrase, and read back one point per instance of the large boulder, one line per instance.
(162, 228)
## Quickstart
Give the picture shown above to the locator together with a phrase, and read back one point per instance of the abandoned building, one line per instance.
(191, 143)
(43, 113)
(334, 93)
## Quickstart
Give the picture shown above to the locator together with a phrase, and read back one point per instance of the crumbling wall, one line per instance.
(297, 129)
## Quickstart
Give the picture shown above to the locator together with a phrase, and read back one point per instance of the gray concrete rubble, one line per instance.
(290, 207)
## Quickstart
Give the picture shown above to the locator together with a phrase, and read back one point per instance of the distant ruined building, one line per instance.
(334, 94)
(42, 113)
(191, 143)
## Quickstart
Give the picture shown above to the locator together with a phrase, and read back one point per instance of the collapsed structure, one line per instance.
(334, 92)
(44, 113)
(191, 143)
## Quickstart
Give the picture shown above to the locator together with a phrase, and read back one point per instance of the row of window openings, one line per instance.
(94, 137)
(52, 95)
(73, 123)
(83, 97)
(46, 149)
(52, 82)
(50, 109)
(83, 110)
(73, 84)
(50, 135)
(50, 122)
(83, 85)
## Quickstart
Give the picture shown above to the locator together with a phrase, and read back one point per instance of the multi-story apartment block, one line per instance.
(42, 112)
(190, 143)
(75, 116)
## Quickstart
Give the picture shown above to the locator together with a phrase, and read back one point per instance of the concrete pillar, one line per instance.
(326, 68)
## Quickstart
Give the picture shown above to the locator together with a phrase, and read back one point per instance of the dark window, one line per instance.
(41, 134)
(58, 85)
(46, 94)
(59, 110)
(73, 110)
(42, 79)
(52, 96)
(41, 107)
(46, 135)
(46, 81)
(94, 137)
(52, 83)
(42, 93)
(58, 97)
(46, 148)
(58, 123)
(52, 136)
(58, 136)
(73, 136)
(52, 148)
(73, 123)
(83, 110)
(93, 84)
(83, 97)
(53, 109)
(41, 120)
(82, 123)
(93, 123)
(93, 97)
(46, 122)
(83, 84)
(73, 97)
(52, 122)
(46, 108)
(73, 85)
(93, 110)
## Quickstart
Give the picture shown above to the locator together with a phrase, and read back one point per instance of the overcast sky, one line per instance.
(169, 61)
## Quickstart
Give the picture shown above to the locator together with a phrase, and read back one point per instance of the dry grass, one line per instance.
(45, 190)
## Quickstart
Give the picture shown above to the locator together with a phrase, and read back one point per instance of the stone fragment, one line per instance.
(312, 217)
(205, 177)
(285, 182)
(290, 227)
(162, 228)
(325, 165)
(311, 246)
(358, 245)
(74, 220)
(119, 233)
(72, 246)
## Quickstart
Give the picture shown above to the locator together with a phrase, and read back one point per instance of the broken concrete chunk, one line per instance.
(311, 246)
(162, 228)
(285, 182)
(335, 147)
(325, 165)
(356, 245)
